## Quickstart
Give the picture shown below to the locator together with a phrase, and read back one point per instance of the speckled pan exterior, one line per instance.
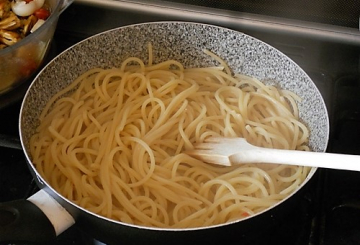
(184, 42)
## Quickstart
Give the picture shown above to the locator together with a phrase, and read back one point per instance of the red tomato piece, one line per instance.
(28, 1)
(42, 13)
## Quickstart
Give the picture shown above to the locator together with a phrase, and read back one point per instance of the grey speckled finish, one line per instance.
(184, 42)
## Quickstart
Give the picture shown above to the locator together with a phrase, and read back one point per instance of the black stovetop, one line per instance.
(331, 213)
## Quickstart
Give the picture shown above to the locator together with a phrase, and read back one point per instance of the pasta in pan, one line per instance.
(113, 142)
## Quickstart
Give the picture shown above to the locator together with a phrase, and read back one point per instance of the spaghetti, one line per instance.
(113, 142)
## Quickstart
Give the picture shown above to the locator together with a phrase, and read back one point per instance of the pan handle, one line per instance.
(22, 221)
(38, 219)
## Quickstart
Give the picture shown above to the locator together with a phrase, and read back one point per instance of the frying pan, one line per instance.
(181, 41)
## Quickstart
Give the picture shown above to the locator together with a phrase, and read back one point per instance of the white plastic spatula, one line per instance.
(231, 151)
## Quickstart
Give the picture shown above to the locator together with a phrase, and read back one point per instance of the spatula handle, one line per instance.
(302, 158)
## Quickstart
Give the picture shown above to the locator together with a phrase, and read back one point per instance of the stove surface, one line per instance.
(330, 210)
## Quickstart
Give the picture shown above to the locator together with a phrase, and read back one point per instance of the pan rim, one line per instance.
(69, 202)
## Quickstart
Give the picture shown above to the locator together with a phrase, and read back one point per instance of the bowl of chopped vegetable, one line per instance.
(26, 30)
